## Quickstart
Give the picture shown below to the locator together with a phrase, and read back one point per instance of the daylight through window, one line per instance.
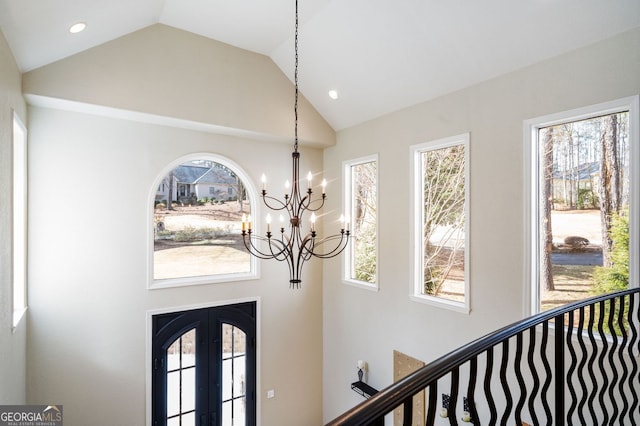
(198, 207)
(441, 208)
(583, 208)
(361, 199)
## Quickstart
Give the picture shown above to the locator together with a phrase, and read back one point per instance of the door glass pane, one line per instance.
(181, 380)
(233, 375)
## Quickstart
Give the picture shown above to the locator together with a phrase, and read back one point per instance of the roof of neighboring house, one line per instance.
(582, 172)
(198, 174)
(217, 176)
(189, 174)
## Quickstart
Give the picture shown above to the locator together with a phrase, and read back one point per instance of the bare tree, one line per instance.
(609, 190)
(444, 219)
(546, 235)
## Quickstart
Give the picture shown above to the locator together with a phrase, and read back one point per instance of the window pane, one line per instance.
(584, 203)
(440, 220)
(188, 419)
(227, 379)
(361, 199)
(197, 221)
(181, 375)
(238, 376)
(188, 390)
(239, 416)
(227, 413)
(173, 393)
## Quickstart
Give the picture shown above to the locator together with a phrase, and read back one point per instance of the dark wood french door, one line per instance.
(204, 367)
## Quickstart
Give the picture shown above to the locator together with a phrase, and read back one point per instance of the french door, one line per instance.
(204, 367)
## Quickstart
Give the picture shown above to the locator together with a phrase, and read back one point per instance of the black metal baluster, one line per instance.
(605, 378)
(534, 374)
(520, 379)
(453, 392)
(614, 370)
(624, 305)
(580, 371)
(633, 409)
(432, 405)
(487, 387)
(548, 373)
(505, 384)
(559, 368)
(471, 390)
(572, 366)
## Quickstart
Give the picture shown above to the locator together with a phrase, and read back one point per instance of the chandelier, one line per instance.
(295, 246)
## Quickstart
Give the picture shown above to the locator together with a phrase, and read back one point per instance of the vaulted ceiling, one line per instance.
(379, 55)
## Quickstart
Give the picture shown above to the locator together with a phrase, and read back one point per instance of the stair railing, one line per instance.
(576, 364)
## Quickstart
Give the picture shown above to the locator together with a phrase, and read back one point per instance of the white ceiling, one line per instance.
(380, 55)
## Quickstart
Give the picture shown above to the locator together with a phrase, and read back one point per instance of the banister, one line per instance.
(397, 393)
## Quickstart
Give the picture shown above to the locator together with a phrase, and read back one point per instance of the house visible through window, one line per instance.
(197, 221)
(440, 222)
(19, 219)
(361, 199)
(584, 204)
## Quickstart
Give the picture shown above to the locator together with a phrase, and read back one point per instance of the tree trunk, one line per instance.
(609, 188)
(170, 196)
(546, 236)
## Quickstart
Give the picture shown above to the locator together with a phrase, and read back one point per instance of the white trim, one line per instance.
(417, 209)
(19, 219)
(149, 346)
(347, 207)
(254, 268)
(531, 297)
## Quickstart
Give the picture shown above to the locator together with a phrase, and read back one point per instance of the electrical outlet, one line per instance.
(271, 393)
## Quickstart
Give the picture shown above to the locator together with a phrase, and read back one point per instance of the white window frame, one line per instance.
(254, 270)
(348, 259)
(19, 237)
(531, 170)
(417, 209)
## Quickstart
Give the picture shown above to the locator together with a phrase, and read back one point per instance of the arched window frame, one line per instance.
(253, 273)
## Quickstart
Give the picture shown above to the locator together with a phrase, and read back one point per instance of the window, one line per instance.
(361, 202)
(582, 183)
(19, 219)
(440, 235)
(196, 223)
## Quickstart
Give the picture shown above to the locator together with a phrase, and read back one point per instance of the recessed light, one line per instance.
(333, 94)
(78, 27)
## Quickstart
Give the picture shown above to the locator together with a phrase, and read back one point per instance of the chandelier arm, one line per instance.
(339, 248)
(279, 205)
(248, 240)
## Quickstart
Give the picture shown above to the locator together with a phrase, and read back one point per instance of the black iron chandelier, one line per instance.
(296, 246)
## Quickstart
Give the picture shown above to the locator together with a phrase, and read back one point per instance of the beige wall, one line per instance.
(367, 325)
(12, 343)
(91, 177)
(173, 73)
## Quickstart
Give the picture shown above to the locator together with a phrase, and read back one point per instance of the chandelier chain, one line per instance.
(295, 106)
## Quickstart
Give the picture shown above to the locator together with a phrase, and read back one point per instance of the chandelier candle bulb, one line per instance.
(324, 186)
(244, 222)
(263, 178)
(268, 223)
(313, 222)
(309, 177)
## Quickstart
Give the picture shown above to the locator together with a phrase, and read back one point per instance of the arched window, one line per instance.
(197, 204)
